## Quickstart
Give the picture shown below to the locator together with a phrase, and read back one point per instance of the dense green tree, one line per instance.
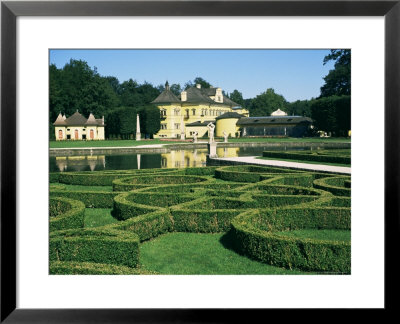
(176, 89)
(237, 97)
(332, 114)
(149, 120)
(127, 122)
(267, 102)
(202, 82)
(338, 80)
(299, 108)
(78, 87)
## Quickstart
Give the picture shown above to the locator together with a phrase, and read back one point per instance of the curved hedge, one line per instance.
(66, 213)
(254, 235)
(335, 185)
(252, 203)
(131, 183)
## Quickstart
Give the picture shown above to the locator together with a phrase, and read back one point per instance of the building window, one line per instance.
(163, 112)
(177, 112)
(177, 126)
(60, 134)
(91, 134)
(194, 112)
(163, 126)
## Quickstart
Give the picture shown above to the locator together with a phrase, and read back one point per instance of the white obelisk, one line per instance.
(137, 128)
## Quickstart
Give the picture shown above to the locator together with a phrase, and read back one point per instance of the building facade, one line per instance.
(77, 127)
(192, 111)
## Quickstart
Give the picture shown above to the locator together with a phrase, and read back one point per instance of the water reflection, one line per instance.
(173, 159)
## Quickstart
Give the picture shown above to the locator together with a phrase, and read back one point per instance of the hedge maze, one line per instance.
(272, 215)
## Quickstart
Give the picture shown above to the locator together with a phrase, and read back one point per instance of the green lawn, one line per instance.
(95, 217)
(127, 143)
(194, 253)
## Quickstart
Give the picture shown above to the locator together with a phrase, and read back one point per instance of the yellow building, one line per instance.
(77, 127)
(192, 111)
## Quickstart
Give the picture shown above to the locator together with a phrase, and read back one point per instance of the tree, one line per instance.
(300, 108)
(267, 102)
(332, 114)
(202, 82)
(127, 122)
(150, 120)
(338, 80)
(237, 97)
(198, 80)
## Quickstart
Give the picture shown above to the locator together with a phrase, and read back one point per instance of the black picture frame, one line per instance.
(10, 10)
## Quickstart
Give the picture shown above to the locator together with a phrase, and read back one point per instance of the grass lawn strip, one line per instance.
(192, 253)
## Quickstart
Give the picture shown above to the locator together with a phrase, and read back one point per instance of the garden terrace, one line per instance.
(273, 216)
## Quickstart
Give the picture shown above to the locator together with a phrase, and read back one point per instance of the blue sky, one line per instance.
(295, 74)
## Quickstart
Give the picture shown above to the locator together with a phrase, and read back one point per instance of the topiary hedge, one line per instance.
(95, 245)
(308, 157)
(131, 183)
(335, 185)
(254, 205)
(90, 268)
(66, 213)
(254, 235)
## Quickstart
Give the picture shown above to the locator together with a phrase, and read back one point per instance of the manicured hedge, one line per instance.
(253, 234)
(95, 199)
(125, 208)
(132, 183)
(95, 245)
(149, 225)
(308, 157)
(105, 178)
(90, 268)
(335, 185)
(66, 213)
(250, 173)
(254, 204)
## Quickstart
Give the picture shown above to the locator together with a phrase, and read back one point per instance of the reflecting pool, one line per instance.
(172, 159)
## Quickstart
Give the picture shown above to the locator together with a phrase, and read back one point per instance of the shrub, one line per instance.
(90, 268)
(66, 213)
(254, 235)
(335, 185)
(95, 245)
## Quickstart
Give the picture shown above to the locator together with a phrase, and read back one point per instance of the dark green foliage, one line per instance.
(332, 114)
(267, 102)
(236, 96)
(338, 80)
(315, 157)
(95, 245)
(66, 213)
(299, 108)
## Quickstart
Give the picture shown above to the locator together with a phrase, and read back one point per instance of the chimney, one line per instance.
(102, 120)
(183, 96)
(198, 86)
